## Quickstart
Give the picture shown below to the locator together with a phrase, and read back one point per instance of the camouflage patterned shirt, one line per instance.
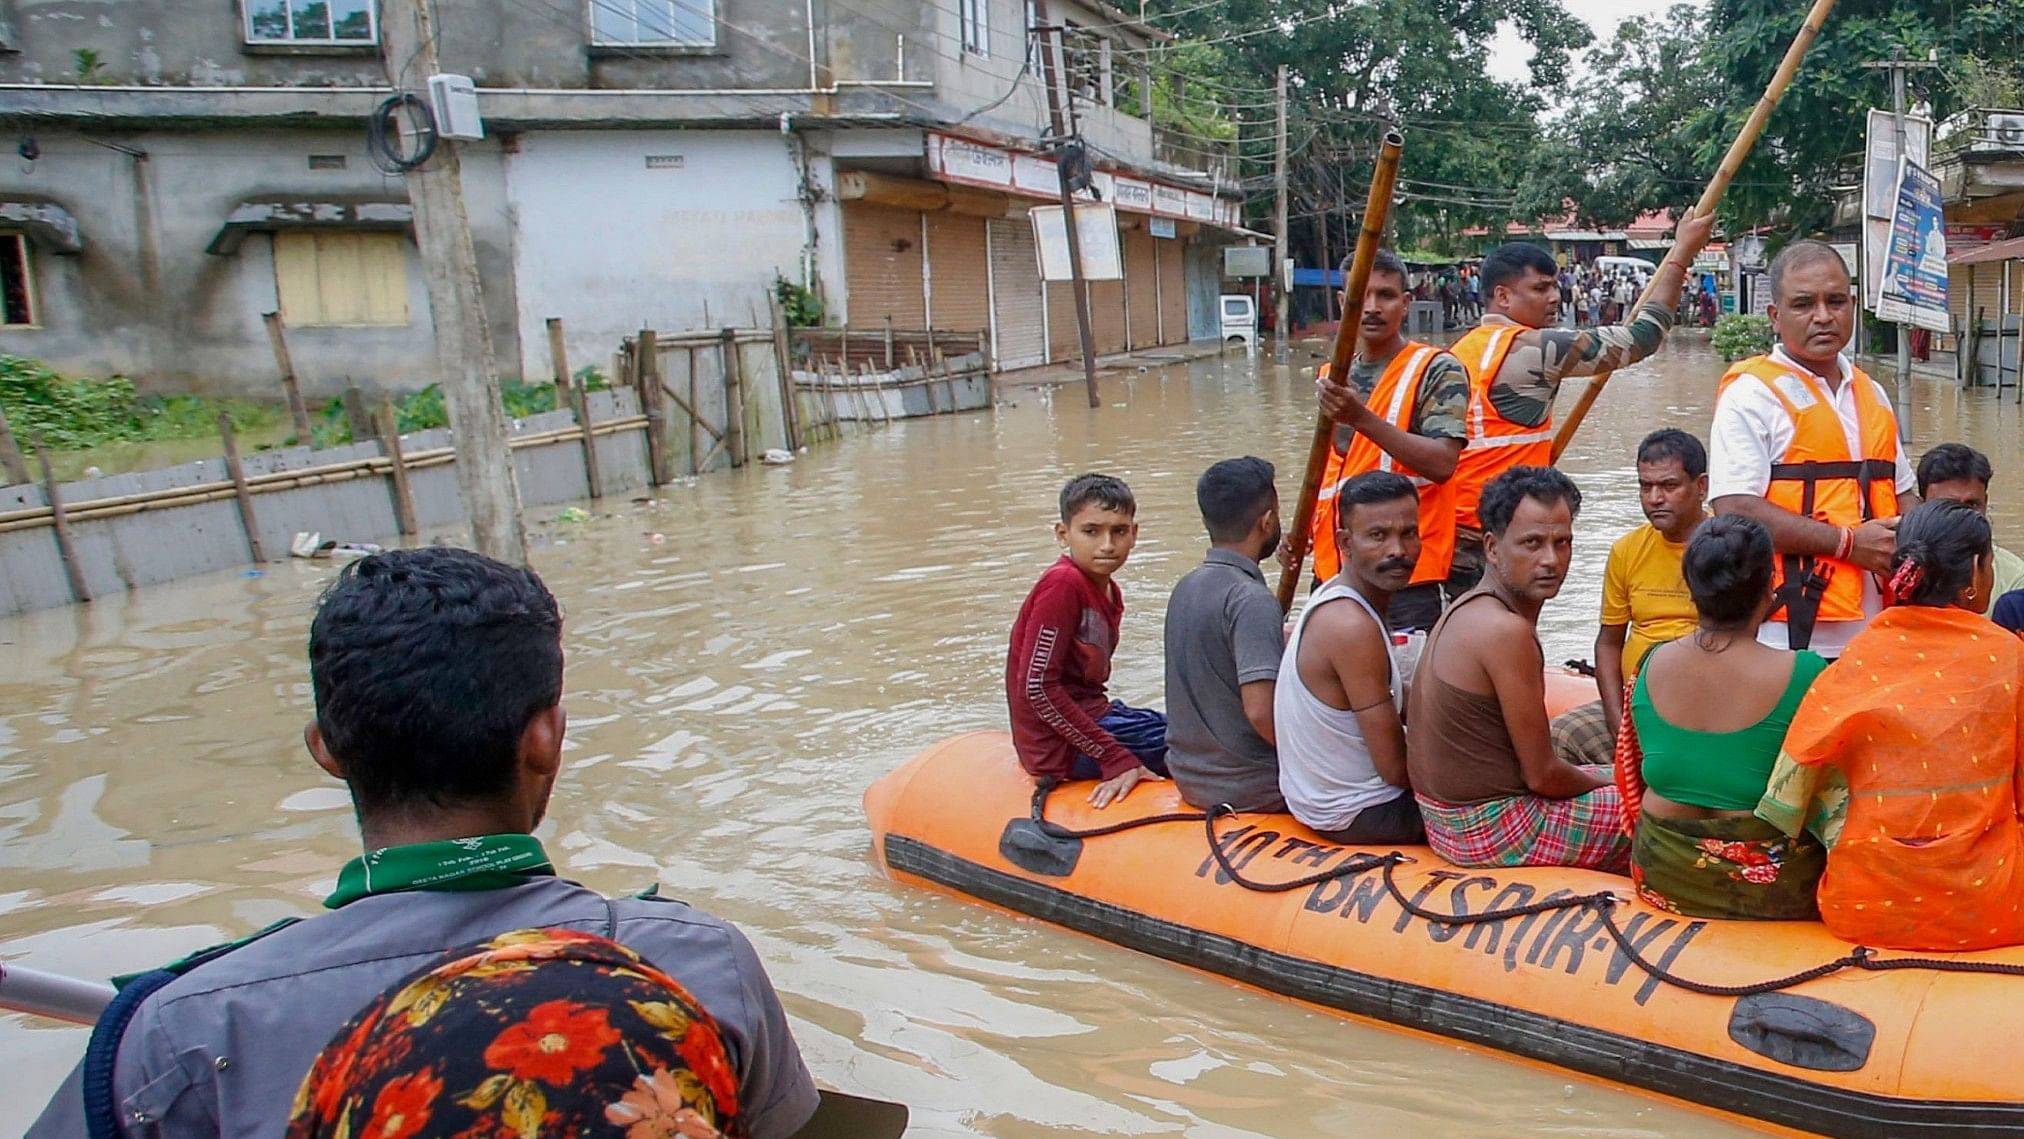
(1524, 387)
(1440, 407)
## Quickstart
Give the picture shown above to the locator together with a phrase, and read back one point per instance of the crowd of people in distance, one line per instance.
(1805, 709)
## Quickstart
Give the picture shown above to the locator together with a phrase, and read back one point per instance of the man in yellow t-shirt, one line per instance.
(1644, 592)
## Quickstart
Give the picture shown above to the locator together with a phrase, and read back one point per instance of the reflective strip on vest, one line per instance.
(1398, 403)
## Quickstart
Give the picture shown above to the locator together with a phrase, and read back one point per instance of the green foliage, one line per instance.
(74, 413)
(798, 304)
(87, 66)
(1739, 335)
(425, 409)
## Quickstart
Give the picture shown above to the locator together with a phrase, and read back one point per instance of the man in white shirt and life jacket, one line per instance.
(1807, 444)
(1403, 409)
(1516, 360)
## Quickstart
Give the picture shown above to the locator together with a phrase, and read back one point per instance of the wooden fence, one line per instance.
(86, 539)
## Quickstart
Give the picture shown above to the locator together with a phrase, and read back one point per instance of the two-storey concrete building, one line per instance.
(181, 167)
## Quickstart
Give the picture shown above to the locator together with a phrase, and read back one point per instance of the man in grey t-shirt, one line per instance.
(1224, 642)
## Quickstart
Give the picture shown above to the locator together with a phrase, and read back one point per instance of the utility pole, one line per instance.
(1282, 346)
(1897, 65)
(485, 480)
(1055, 66)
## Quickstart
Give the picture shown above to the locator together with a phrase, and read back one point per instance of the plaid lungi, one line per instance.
(1528, 830)
(1581, 735)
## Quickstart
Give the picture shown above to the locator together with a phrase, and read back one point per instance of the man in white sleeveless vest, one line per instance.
(1342, 744)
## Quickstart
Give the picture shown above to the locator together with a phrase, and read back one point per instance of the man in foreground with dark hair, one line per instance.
(1480, 753)
(1223, 641)
(1402, 408)
(438, 682)
(1516, 360)
(1959, 472)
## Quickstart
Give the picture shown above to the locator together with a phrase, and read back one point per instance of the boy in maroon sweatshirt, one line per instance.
(1063, 724)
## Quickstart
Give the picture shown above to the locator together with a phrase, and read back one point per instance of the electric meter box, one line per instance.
(454, 99)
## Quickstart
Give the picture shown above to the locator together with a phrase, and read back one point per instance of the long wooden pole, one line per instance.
(1710, 198)
(298, 412)
(1376, 209)
(73, 567)
(247, 520)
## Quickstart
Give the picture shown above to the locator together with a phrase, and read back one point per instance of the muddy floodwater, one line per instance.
(745, 656)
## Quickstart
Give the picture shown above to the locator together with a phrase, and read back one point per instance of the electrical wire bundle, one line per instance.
(400, 133)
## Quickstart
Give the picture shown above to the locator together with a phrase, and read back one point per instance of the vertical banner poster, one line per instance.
(1914, 286)
(1880, 189)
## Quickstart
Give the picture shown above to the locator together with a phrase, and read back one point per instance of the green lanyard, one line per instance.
(486, 862)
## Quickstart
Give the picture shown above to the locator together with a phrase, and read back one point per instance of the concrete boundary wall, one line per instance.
(134, 540)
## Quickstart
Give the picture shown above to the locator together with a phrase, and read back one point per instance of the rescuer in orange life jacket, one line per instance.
(1404, 409)
(1806, 444)
(1516, 360)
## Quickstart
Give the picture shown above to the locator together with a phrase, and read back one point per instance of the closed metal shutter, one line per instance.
(1173, 290)
(1063, 341)
(882, 265)
(1020, 331)
(1971, 287)
(1106, 315)
(959, 277)
(1142, 287)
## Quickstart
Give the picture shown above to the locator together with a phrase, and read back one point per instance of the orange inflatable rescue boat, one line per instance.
(1778, 1022)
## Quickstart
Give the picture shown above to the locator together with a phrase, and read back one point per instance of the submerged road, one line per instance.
(745, 655)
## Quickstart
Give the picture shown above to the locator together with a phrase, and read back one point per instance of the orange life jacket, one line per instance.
(1394, 397)
(1817, 478)
(1495, 443)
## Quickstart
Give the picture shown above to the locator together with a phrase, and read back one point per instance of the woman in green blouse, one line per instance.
(1710, 712)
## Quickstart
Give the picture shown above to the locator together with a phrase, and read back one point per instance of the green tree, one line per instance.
(1619, 156)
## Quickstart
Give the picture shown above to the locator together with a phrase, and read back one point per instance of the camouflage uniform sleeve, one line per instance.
(1524, 387)
(1441, 408)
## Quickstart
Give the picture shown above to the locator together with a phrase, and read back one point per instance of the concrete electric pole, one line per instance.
(485, 480)
(1054, 64)
(1282, 350)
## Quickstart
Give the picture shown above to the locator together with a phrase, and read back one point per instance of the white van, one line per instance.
(1637, 265)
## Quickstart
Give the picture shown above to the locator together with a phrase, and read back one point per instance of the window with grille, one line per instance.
(680, 23)
(17, 293)
(310, 22)
(975, 17)
(336, 277)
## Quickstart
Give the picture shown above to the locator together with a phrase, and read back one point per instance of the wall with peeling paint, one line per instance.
(144, 298)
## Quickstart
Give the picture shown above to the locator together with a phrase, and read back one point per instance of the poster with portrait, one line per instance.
(1914, 286)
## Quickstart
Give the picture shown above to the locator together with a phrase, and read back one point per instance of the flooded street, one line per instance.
(732, 688)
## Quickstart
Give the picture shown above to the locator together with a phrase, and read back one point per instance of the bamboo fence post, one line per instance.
(888, 343)
(237, 470)
(298, 412)
(790, 409)
(695, 420)
(1739, 149)
(65, 548)
(734, 396)
(390, 442)
(559, 357)
(1376, 209)
(580, 397)
(647, 369)
(10, 454)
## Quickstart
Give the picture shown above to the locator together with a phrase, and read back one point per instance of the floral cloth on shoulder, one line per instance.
(551, 1033)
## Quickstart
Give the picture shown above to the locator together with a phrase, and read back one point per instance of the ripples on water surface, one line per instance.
(731, 692)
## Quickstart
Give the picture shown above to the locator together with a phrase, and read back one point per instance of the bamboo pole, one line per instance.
(397, 468)
(10, 454)
(647, 370)
(1376, 210)
(346, 470)
(240, 491)
(65, 548)
(580, 398)
(792, 427)
(1563, 433)
(559, 357)
(298, 412)
(733, 370)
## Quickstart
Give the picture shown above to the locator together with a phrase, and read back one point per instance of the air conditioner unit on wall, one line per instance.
(2003, 130)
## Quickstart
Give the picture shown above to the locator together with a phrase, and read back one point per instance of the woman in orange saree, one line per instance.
(1904, 756)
